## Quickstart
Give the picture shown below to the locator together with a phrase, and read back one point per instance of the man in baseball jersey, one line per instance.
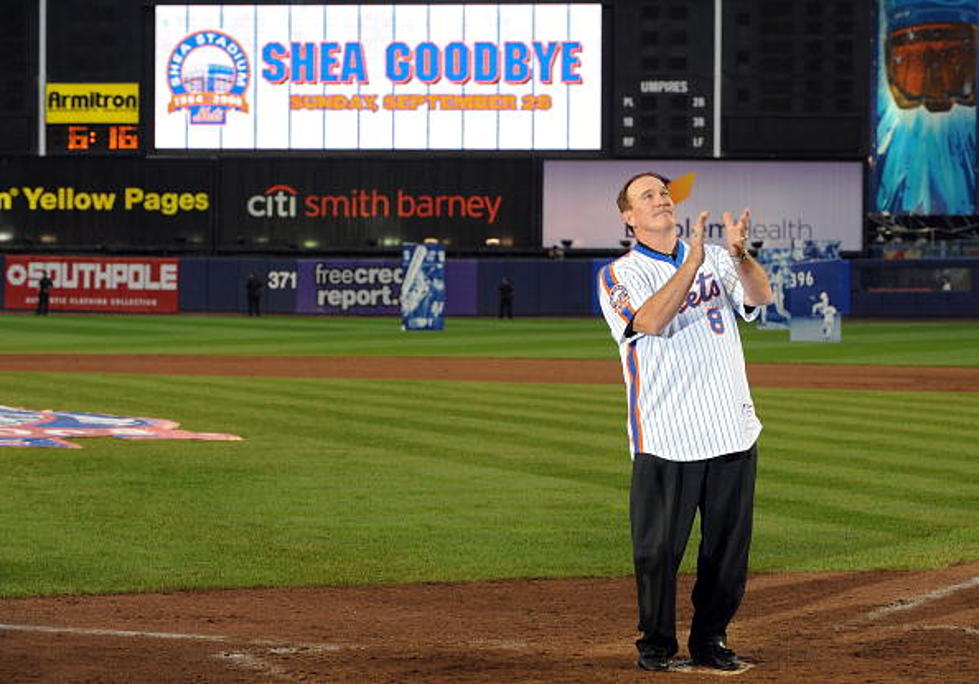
(672, 306)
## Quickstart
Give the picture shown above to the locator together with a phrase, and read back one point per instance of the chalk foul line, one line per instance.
(914, 602)
(273, 646)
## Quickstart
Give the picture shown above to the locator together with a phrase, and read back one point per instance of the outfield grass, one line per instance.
(351, 482)
(889, 343)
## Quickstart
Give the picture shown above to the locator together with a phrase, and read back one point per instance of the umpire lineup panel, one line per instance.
(664, 81)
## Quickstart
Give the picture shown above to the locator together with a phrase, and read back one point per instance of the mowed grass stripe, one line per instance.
(522, 413)
(837, 479)
(918, 467)
(515, 439)
(425, 498)
(488, 409)
(345, 481)
(844, 434)
(911, 343)
(840, 424)
(860, 465)
(927, 413)
(904, 343)
(937, 551)
(841, 510)
(778, 489)
(953, 409)
(290, 335)
(538, 397)
(803, 543)
(845, 438)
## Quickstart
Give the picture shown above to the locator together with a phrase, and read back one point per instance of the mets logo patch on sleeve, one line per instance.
(619, 297)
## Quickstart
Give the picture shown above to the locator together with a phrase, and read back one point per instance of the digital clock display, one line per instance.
(94, 139)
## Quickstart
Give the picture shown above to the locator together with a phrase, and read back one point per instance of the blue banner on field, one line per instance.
(422, 287)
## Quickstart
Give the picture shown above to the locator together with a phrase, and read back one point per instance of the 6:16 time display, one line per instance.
(94, 139)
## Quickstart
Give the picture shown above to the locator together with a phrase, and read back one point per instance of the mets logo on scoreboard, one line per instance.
(208, 73)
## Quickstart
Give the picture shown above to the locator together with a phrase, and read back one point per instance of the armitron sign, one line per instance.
(69, 103)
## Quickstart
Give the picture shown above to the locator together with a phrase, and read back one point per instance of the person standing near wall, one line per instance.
(506, 298)
(44, 286)
(253, 290)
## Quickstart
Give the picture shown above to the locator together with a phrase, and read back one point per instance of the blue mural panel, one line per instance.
(423, 287)
(924, 155)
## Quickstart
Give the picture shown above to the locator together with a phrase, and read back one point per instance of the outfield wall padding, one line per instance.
(912, 288)
(548, 287)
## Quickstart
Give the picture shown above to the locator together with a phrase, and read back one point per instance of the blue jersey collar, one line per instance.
(681, 250)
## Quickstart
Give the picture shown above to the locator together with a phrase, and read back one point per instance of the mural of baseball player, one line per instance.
(423, 287)
(777, 278)
(828, 312)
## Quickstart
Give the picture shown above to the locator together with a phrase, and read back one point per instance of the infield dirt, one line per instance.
(802, 627)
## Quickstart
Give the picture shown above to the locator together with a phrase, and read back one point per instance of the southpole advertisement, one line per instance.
(106, 284)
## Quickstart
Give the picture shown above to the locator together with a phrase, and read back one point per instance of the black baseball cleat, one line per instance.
(653, 661)
(715, 654)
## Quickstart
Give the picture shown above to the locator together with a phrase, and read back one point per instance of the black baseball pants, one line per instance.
(663, 501)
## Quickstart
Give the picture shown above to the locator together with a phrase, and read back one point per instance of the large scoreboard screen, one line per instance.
(664, 79)
(378, 77)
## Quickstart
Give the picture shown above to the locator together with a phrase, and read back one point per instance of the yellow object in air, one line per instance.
(681, 188)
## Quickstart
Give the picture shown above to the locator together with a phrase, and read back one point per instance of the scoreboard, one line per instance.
(663, 99)
(675, 79)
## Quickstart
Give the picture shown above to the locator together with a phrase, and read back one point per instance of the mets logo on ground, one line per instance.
(27, 428)
(208, 73)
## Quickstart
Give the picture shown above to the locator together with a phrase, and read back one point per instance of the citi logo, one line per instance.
(278, 201)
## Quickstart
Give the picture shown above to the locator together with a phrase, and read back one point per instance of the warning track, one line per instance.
(801, 376)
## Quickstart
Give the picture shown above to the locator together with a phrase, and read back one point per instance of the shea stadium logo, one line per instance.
(208, 73)
(21, 427)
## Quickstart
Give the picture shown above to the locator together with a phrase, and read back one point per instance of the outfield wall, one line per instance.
(333, 286)
(884, 288)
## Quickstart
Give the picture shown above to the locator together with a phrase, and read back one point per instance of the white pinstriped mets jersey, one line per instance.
(687, 388)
